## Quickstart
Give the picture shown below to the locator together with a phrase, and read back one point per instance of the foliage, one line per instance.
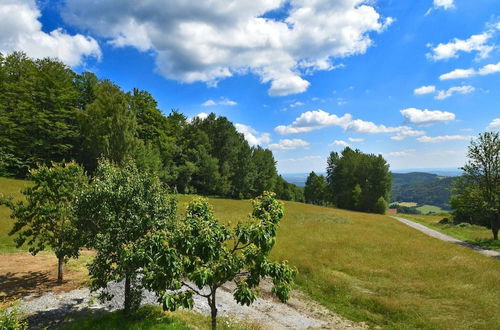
(120, 207)
(47, 218)
(380, 206)
(316, 189)
(476, 197)
(357, 180)
(202, 254)
(12, 320)
(50, 113)
(288, 191)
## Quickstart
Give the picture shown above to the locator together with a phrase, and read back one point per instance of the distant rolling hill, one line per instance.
(422, 188)
(419, 187)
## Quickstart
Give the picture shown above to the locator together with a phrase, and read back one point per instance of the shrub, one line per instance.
(12, 320)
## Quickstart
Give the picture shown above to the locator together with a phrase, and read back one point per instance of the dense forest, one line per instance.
(422, 188)
(49, 113)
(354, 181)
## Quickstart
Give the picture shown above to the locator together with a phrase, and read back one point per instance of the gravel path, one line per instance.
(52, 310)
(434, 233)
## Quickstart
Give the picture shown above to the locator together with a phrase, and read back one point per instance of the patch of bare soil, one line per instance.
(22, 274)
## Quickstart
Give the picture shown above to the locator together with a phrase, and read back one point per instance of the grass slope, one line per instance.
(372, 268)
(466, 232)
(9, 187)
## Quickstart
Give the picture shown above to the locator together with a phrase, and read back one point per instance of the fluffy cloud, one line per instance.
(222, 101)
(475, 43)
(356, 139)
(434, 139)
(339, 143)
(211, 40)
(426, 117)
(313, 120)
(467, 73)
(445, 4)
(21, 30)
(252, 136)
(454, 90)
(494, 125)
(287, 144)
(425, 90)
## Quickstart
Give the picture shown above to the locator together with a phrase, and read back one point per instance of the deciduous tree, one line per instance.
(202, 254)
(120, 207)
(47, 218)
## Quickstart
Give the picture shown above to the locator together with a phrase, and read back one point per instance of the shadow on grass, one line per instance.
(65, 314)
(17, 284)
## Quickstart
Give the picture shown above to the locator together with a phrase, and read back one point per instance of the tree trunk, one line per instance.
(60, 269)
(213, 308)
(127, 295)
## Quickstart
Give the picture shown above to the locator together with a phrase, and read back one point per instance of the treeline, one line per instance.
(49, 113)
(354, 181)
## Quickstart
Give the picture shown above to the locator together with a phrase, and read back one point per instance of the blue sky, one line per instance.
(412, 80)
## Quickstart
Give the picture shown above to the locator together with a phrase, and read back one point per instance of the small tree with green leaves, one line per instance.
(202, 254)
(47, 218)
(120, 207)
(481, 178)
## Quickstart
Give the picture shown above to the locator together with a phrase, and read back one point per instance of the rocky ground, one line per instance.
(53, 309)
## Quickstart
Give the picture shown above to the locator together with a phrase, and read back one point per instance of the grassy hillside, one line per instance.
(372, 268)
(369, 267)
(466, 232)
(8, 187)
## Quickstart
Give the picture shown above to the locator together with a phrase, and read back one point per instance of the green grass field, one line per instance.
(9, 187)
(372, 268)
(470, 233)
(425, 209)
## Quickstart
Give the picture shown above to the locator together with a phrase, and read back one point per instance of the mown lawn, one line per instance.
(470, 233)
(372, 268)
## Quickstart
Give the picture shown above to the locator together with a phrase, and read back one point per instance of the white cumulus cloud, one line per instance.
(445, 4)
(289, 144)
(212, 40)
(467, 73)
(494, 125)
(252, 136)
(356, 139)
(454, 90)
(434, 139)
(339, 143)
(425, 90)
(21, 30)
(426, 117)
(476, 43)
(317, 119)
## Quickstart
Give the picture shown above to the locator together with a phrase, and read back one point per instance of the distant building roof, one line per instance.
(392, 211)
